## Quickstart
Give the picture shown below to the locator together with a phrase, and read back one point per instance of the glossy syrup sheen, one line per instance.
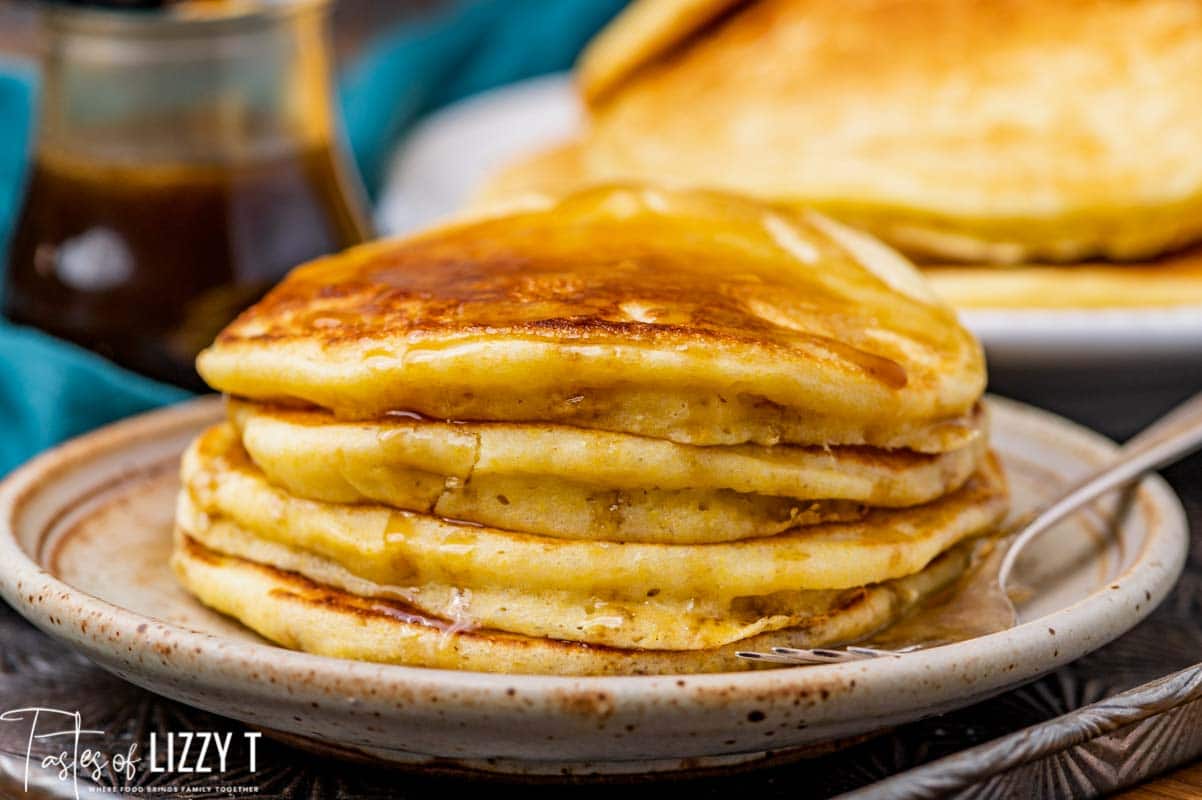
(671, 267)
(974, 605)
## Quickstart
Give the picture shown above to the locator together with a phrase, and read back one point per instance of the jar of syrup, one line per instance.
(187, 157)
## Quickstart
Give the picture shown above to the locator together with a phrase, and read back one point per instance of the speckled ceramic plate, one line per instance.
(84, 538)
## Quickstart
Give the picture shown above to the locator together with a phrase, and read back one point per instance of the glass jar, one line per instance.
(186, 159)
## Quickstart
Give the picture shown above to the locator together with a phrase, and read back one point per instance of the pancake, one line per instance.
(658, 623)
(640, 34)
(1003, 132)
(400, 548)
(621, 309)
(1171, 280)
(529, 182)
(585, 484)
(303, 615)
(625, 432)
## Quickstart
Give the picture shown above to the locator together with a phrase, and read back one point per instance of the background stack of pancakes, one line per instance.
(1055, 139)
(631, 431)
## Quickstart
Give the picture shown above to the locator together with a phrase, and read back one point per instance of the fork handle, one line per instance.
(1172, 437)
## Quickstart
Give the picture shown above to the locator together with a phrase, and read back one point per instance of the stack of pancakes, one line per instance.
(632, 431)
(1026, 133)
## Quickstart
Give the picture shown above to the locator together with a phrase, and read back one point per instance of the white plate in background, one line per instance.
(446, 155)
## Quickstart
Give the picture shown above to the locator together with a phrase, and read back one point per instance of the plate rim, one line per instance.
(42, 598)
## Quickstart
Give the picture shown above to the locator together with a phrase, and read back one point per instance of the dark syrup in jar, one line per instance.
(145, 263)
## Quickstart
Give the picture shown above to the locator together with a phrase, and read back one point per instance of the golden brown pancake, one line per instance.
(1171, 280)
(406, 549)
(303, 615)
(532, 181)
(655, 623)
(586, 484)
(642, 33)
(693, 317)
(625, 432)
(997, 132)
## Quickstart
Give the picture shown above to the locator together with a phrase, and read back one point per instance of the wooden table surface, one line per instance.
(1184, 784)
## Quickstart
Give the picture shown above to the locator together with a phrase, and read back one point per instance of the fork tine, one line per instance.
(794, 655)
(874, 652)
(782, 658)
(819, 655)
(774, 658)
(834, 656)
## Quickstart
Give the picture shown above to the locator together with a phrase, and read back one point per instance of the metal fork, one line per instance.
(1174, 436)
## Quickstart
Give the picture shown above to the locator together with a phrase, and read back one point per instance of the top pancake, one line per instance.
(694, 317)
(1006, 131)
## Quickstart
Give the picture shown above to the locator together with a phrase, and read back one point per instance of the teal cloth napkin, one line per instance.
(475, 46)
(51, 390)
